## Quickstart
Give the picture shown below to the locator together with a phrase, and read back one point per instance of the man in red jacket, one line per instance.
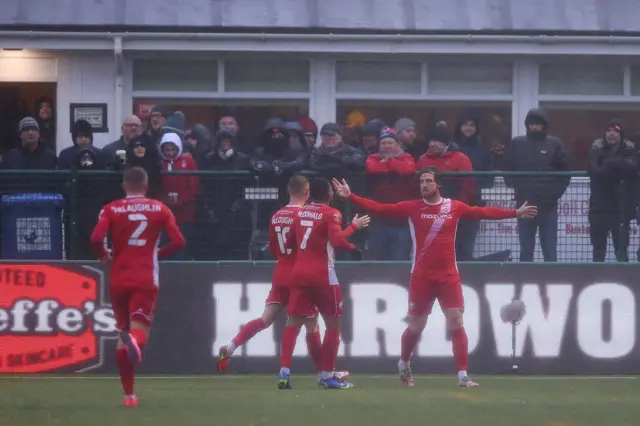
(179, 191)
(446, 157)
(390, 175)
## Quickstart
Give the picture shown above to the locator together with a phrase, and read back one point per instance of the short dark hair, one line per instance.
(297, 185)
(135, 178)
(319, 190)
(432, 170)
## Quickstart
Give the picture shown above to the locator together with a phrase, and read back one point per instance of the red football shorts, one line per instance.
(424, 291)
(278, 294)
(325, 299)
(133, 304)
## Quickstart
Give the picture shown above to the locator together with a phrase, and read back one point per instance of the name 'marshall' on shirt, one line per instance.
(136, 208)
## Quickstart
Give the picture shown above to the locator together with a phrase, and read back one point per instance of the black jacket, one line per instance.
(337, 163)
(479, 155)
(20, 158)
(537, 152)
(613, 178)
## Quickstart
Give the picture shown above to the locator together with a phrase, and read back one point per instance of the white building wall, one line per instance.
(86, 79)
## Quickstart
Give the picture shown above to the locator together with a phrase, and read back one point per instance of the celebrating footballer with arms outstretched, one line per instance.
(433, 221)
(134, 224)
(279, 234)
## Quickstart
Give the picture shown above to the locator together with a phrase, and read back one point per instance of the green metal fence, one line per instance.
(231, 210)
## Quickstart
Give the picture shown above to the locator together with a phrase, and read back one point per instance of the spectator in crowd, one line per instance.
(467, 137)
(226, 215)
(390, 176)
(179, 191)
(157, 120)
(45, 116)
(352, 128)
(297, 143)
(31, 154)
(310, 130)
(371, 136)
(82, 153)
(198, 143)
(446, 157)
(143, 152)
(333, 157)
(274, 155)
(613, 167)
(174, 124)
(538, 152)
(243, 144)
(407, 136)
(130, 128)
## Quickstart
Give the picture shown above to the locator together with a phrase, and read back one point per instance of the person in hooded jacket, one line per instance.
(179, 191)
(45, 114)
(198, 141)
(82, 137)
(143, 152)
(297, 142)
(224, 215)
(467, 137)
(613, 167)
(538, 152)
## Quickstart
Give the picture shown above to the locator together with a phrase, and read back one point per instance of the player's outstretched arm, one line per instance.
(99, 235)
(388, 210)
(176, 239)
(493, 213)
(338, 237)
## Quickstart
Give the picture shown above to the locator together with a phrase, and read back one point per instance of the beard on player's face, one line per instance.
(428, 191)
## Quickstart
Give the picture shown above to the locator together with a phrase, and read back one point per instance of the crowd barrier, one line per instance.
(581, 319)
(232, 210)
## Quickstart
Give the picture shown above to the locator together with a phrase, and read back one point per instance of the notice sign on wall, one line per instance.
(94, 114)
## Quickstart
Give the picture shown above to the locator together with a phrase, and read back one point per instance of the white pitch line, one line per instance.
(257, 376)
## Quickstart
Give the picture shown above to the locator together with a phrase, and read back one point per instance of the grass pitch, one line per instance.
(376, 401)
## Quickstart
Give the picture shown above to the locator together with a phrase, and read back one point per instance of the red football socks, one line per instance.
(289, 337)
(460, 348)
(408, 344)
(249, 330)
(140, 336)
(330, 347)
(126, 371)
(314, 344)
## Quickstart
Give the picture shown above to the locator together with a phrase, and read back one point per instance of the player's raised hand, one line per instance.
(342, 189)
(526, 211)
(361, 222)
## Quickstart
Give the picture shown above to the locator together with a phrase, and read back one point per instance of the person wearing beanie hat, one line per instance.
(406, 128)
(612, 169)
(533, 152)
(31, 154)
(371, 135)
(390, 176)
(446, 157)
(157, 120)
(175, 124)
(82, 138)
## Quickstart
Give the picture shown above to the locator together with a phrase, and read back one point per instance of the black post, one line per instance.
(73, 216)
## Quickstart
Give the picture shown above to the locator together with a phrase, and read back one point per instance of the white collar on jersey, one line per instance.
(135, 196)
(442, 200)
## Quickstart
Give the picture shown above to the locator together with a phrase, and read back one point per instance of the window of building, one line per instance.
(579, 124)
(175, 75)
(466, 78)
(379, 77)
(574, 78)
(274, 75)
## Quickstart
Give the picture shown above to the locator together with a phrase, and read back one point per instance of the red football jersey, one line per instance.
(433, 229)
(317, 232)
(285, 254)
(135, 224)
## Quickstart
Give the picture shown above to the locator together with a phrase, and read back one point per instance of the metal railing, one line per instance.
(228, 212)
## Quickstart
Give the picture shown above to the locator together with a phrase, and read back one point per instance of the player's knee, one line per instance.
(296, 321)
(454, 319)
(311, 325)
(417, 323)
(270, 314)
